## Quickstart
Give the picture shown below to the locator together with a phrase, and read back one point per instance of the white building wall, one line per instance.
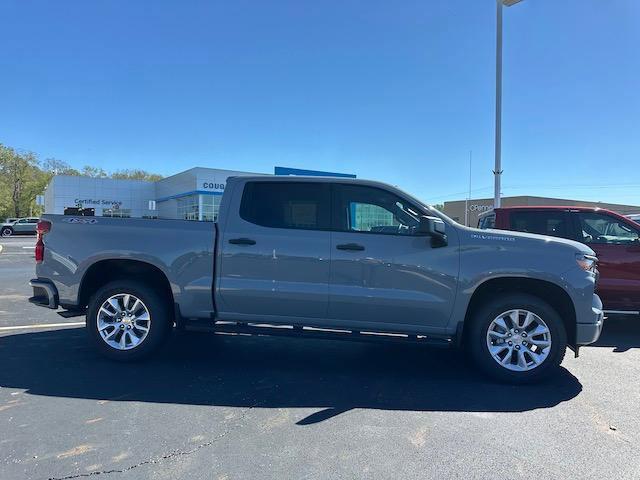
(99, 193)
(134, 195)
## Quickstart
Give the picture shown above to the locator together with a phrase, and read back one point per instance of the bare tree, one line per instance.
(58, 167)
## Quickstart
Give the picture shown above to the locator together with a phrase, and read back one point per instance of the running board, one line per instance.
(71, 313)
(621, 312)
(239, 328)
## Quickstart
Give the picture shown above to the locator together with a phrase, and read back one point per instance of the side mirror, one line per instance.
(435, 228)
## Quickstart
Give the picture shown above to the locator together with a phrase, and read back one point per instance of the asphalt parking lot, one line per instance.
(213, 407)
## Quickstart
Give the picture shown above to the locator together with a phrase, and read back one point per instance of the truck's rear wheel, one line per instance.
(518, 339)
(127, 320)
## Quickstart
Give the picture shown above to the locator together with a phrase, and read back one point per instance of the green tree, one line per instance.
(21, 180)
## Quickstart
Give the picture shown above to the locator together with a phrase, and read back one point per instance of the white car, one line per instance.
(22, 226)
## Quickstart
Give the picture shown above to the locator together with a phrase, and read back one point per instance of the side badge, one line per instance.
(89, 221)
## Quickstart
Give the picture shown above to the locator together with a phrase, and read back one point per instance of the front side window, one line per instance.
(360, 208)
(553, 223)
(604, 229)
(304, 206)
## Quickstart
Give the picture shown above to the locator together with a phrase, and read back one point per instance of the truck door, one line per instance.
(383, 274)
(275, 253)
(617, 245)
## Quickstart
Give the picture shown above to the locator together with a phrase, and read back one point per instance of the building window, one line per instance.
(188, 207)
(116, 212)
(210, 207)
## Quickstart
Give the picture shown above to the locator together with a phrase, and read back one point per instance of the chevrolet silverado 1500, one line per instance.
(329, 258)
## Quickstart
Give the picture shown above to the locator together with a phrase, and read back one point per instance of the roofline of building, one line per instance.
(533, 197)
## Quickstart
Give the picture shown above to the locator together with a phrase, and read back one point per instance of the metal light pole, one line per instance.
(497, 170)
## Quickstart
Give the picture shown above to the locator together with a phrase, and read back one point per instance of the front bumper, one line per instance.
(45, 293)
(587, 333)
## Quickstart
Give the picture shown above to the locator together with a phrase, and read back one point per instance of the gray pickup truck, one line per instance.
(328, 258)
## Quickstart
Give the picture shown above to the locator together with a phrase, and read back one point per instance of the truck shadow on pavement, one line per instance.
(621, 332)
(242, 371)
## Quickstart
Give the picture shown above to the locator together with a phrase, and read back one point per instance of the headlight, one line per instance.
(588, 263)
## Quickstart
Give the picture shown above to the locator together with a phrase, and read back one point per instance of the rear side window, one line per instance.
(543, 222)
(488, 221)
(302, 205)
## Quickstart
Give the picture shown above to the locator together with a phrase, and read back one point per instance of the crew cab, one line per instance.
(329, 258)
(614, 238)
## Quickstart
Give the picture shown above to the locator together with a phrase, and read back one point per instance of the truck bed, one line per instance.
(182, 250)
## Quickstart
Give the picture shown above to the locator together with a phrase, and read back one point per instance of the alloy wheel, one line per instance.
(123, 321)
(519, 340)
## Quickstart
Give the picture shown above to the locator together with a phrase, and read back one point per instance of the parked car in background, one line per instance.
(614, 237)
(635, 218)
(22, 226)
(323, 257)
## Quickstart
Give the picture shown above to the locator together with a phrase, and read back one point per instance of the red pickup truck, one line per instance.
(614, 238)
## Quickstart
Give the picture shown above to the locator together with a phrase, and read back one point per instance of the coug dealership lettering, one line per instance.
(213, 186)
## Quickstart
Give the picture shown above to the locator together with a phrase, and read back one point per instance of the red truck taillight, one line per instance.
(44, 226)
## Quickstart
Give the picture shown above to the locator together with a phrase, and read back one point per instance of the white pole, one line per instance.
(466, 211)
(497, 171)
(470, 159)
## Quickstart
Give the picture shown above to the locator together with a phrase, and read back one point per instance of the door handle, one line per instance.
(242, 241)
(350, 246)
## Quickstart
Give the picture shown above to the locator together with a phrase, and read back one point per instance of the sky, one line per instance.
(395, 91)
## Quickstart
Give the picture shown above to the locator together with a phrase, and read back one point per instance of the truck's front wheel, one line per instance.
(518, 338)
(127, 320)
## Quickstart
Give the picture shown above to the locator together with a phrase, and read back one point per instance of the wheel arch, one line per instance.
(549, 292)
(108, 270)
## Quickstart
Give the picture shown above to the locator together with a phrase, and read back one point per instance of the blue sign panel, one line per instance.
(309, 173)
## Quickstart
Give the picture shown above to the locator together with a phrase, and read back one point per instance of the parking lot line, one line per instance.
(41, 325)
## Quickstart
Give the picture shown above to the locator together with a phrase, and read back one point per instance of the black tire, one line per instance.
(6, 232)
(160, 324)
(478, 350)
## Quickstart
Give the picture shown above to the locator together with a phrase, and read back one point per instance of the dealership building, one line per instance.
(190, 195)
(195, 195)
(475, 207)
